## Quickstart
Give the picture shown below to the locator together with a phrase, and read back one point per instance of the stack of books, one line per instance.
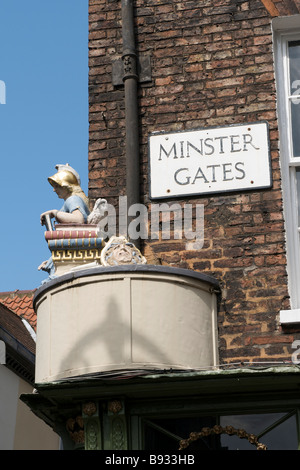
(74, 245)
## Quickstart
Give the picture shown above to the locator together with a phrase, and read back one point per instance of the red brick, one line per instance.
(209, 68)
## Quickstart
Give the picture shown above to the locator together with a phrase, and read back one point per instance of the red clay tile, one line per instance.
(20, 302)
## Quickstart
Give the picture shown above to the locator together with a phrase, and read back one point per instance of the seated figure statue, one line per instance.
(66, 184)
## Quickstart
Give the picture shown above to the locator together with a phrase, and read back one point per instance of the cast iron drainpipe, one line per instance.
(130, 79)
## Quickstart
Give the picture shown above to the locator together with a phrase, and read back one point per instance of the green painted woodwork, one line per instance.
(124, 408)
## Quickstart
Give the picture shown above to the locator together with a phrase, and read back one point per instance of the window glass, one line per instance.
(278, 431)
(282, 437)
(287, 62)
(295, 116)
(158, 434)
(298, 192)
(294, 92)
(294, 62)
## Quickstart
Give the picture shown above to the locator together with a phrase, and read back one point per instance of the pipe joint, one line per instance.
(130, 66)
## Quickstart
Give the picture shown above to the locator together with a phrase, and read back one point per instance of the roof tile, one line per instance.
(14, 326)
(20, 302)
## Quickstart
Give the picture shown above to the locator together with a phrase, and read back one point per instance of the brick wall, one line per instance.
(212, 65)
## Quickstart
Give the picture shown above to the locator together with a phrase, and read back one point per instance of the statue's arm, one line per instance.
(64, 217)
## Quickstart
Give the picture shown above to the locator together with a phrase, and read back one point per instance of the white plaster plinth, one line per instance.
(125, 318)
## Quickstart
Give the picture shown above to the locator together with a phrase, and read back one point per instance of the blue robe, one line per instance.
(70, 205)
(73, 203)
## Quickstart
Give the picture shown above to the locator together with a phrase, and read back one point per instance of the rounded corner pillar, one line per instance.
(129, 317)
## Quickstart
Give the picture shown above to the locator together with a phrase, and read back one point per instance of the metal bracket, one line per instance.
(143, 70)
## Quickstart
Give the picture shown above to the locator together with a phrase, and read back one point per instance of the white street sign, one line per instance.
(211, 160)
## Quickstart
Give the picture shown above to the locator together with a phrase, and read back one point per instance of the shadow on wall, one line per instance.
(111, 341)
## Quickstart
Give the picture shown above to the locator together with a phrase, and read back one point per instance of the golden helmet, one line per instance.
(63, 178)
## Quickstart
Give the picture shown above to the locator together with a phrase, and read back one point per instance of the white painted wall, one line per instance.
(20, 429)
(9, 387)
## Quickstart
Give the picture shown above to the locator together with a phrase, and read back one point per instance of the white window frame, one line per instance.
(287, 29)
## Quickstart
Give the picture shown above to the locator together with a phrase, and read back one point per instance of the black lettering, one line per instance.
(240, 170)
(209, 146)
(181, 149)
(200, 174)
(167, 153)
(225, 171)
(213, 172)
(248, 142)
(234, 142)
(188, 145)
(188, 178)
(221, 142)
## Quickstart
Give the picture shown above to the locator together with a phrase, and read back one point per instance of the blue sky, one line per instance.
(44, 121)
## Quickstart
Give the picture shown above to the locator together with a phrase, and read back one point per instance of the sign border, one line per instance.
(226, 191)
